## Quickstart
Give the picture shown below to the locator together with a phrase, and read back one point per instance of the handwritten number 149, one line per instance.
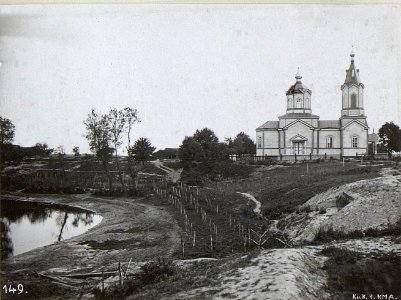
(10, 289)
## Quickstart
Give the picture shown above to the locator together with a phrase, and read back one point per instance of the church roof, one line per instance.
(298, 87)
(269, 125)
(298, 116)
(352, 73)
(329, 124)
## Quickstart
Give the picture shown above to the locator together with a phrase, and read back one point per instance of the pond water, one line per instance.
(28, 225)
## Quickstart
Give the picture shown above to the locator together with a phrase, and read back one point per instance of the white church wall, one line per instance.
(336, 142)
(269, 143)
(355, 130)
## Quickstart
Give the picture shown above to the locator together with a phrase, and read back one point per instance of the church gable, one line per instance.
(355, 122)
(297, 123)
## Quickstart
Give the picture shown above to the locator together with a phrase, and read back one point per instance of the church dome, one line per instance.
(298, 87)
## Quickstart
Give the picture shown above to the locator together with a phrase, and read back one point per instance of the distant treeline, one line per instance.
(16, 153)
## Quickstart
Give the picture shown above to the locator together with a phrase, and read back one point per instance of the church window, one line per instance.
(298, 104)
(329, 142)
(353, 101)
(259, 142)
(354, 142)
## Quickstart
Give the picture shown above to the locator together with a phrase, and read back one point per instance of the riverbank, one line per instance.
(132, 229)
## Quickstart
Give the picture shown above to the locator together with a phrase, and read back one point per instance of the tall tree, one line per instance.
(131, 116)
(142, 150)
(117, 125)
(390, 137)
(205, 136)
(243, 144)
(210, 144)
(7, 131)
(75, 150)
(190, 151)
(98, 134)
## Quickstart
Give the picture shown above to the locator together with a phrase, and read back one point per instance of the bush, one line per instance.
(154, 271)
(266, 162)
(151, 272)
(350, 272)
(340, 255)
(325, 235)
(343, 200)
(118, 193)
(305, 209)
(199, 173)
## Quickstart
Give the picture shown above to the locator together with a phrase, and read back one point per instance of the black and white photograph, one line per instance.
(191, 150)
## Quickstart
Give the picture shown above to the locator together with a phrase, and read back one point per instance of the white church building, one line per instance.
(299, 133)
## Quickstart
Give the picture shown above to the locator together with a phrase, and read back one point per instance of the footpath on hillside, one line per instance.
(172, 175)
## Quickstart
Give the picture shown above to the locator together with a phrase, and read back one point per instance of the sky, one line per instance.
(186, 67)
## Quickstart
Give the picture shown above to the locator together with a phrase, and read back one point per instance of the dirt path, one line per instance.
(172, 175)
(258, 205)
(131, 228)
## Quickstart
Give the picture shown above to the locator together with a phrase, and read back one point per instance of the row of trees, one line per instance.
(106, 134)
(204, 146)
(204, 157)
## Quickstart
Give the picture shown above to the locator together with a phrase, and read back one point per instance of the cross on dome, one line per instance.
(298, 76)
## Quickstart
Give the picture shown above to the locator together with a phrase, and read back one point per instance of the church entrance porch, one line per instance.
(298, 147)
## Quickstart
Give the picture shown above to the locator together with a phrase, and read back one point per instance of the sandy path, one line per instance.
(256, 210)
(172, 175)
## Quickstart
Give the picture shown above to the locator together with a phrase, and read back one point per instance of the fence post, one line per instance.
(119, 275)
(102, 280)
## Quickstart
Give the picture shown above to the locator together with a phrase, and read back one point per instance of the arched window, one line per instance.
(354, 142)
(298, 103)
(289, 102)
(353, 101)
(329, 142)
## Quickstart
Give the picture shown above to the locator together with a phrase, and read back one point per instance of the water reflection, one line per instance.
(28, 225)
(6, 242)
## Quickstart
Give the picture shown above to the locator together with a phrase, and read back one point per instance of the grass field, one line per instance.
(281, 189)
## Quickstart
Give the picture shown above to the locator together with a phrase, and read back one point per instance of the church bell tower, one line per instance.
(352, 92)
